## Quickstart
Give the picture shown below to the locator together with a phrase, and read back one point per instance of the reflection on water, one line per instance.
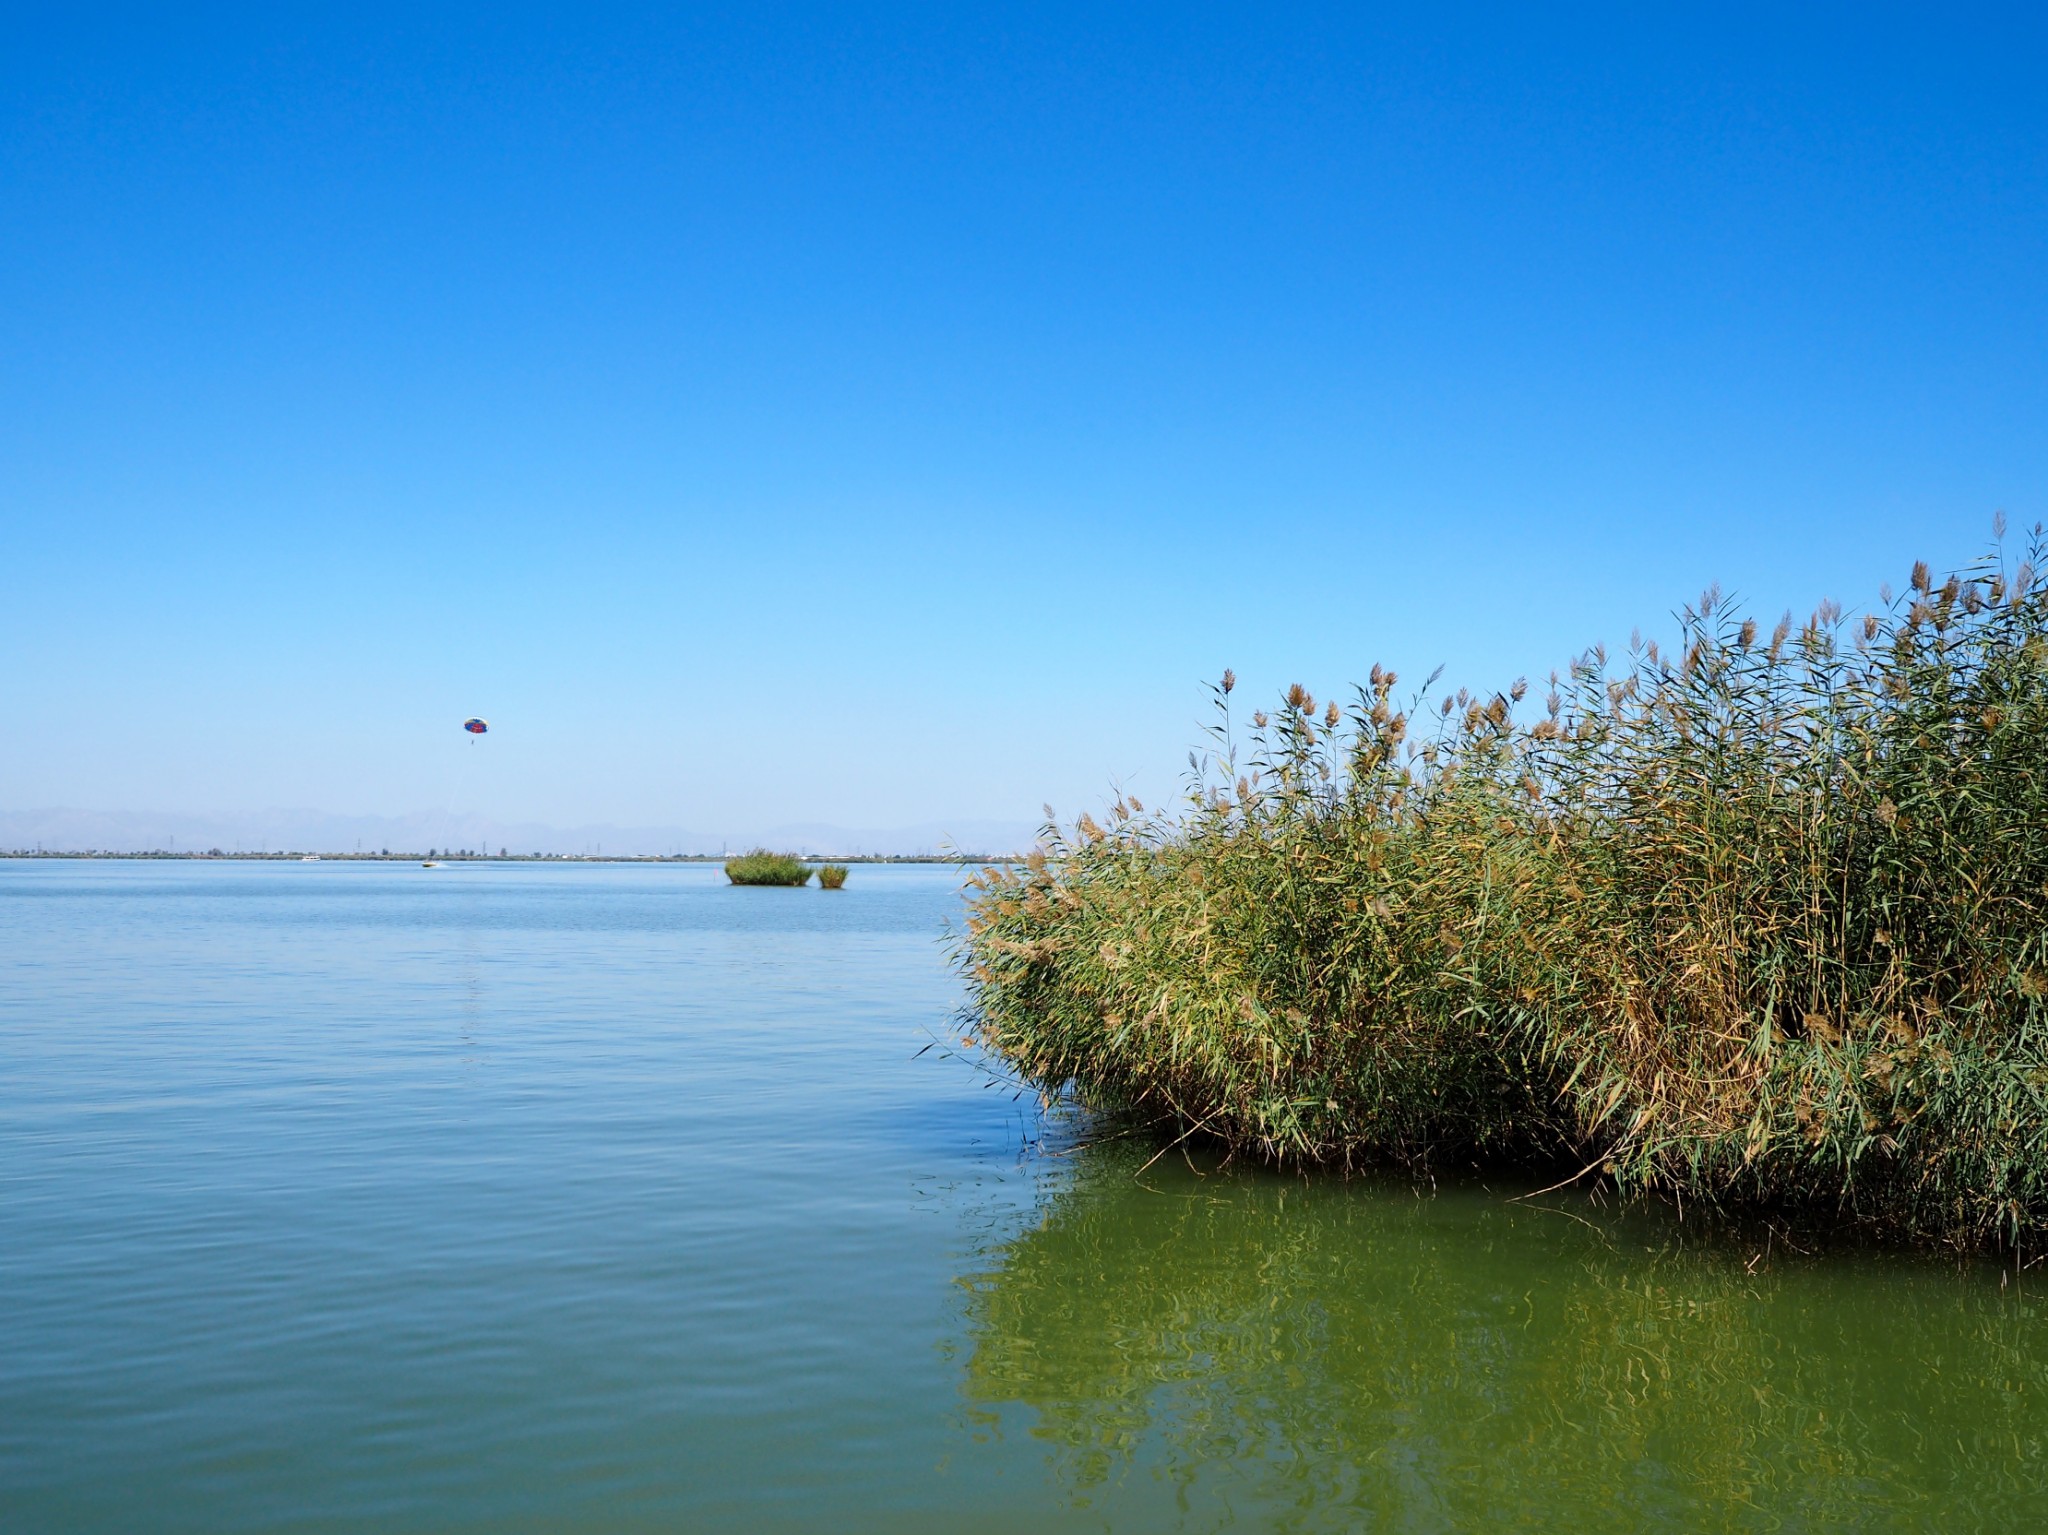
(342, 1197)
(1327, 1355)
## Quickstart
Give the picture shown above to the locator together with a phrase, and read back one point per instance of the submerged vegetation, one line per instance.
(1762, 918)
(832, 876)
(761, 867)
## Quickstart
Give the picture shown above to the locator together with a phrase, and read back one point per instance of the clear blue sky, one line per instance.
(872, 414)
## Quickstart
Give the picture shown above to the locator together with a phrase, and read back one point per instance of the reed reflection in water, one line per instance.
(1329, 1354)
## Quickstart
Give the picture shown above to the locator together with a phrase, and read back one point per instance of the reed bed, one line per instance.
(761, 867)
(1758, 919)
(832, 876)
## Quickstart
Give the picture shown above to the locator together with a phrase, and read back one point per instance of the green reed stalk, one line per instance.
(761, 867)
(1761, 919)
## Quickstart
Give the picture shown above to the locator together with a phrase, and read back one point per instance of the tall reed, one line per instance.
(1758, 918)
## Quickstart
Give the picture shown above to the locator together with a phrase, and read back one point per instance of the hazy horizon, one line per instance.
(61, 829)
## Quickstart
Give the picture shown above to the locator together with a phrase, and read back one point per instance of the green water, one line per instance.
(340, 1197)
(1321, 1355)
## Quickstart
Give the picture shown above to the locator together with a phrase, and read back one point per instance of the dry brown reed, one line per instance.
(1749, 920)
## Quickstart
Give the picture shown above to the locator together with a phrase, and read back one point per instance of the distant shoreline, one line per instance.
(445, 856)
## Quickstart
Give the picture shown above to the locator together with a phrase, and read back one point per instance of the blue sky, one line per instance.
(874, 414)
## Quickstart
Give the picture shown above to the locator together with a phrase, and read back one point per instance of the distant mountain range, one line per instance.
(314, 831)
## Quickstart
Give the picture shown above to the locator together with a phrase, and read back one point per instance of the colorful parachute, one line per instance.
(476, 727)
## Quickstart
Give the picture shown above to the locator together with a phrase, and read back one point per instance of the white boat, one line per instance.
(310, 858)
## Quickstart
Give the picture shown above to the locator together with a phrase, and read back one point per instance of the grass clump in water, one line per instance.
(1760, 919)
(761, 867)
(832, 876)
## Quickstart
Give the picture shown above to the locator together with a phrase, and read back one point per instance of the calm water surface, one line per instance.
(350, 1197)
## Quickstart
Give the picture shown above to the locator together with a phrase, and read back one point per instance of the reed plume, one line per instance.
(1741, 923)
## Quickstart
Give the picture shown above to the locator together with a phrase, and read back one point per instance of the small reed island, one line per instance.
(761, 867)
(1760, 920)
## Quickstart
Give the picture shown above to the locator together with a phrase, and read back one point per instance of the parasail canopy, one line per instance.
(476, 727)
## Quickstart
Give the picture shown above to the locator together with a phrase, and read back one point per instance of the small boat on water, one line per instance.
(309, 858)
(430, 864)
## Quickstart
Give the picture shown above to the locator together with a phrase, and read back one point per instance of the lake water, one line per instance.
(604, 1198)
